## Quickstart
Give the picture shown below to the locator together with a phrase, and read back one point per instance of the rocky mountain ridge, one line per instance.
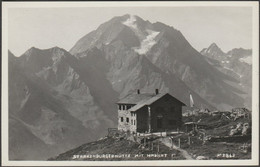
(61, 98)
(237, 63)
(168, 50)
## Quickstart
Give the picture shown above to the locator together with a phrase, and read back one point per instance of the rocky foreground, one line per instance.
(113, 149)
(229, 138)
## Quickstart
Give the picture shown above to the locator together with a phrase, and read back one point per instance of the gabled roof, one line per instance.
(148, 100)
(138, 106)
(155, 98)
(135, 98)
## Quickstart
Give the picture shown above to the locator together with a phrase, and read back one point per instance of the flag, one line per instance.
(191, 101)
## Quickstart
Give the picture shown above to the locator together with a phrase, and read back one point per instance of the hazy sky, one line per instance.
(228, 27)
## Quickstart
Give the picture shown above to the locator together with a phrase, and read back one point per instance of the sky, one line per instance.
(228, 27)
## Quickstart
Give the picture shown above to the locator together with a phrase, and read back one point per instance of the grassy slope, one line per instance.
(109, 145)
(212, 149)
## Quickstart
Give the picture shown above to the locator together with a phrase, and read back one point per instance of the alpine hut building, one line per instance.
(149, 112)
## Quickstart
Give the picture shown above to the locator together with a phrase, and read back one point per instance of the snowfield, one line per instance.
(148, 42)
(131, 22)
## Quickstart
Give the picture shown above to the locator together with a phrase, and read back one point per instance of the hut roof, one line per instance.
(142, 100)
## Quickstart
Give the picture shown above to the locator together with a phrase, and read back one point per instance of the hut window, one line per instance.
(127, 119)
(134, 122)
(122, 119)
(131, 122)
(120, 107)
(128, 107)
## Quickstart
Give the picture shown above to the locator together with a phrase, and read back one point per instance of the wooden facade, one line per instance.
(149, 113)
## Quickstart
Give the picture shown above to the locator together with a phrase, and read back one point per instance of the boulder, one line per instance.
(201, 158)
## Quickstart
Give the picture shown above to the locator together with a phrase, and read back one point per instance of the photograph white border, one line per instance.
(255, 79)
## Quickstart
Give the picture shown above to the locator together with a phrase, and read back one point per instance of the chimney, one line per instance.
(156, 91)
(138, 91)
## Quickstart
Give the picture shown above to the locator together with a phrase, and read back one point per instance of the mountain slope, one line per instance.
(69, 110)
(128, 71)
(166, 48)
(20, 148)
(59, 120)
(71, 77)
(62, 99)
(236, 63)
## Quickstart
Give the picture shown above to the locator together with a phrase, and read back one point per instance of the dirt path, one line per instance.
(183, 152)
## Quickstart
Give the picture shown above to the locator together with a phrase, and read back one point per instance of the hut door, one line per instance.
(159, 122)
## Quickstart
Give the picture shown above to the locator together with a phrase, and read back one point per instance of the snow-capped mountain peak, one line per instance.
(130, 22)
(213, 50)
(145, 35)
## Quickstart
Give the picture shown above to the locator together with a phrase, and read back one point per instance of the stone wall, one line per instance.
(127, 126)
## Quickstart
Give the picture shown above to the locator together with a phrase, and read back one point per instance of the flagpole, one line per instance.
(192, 109)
